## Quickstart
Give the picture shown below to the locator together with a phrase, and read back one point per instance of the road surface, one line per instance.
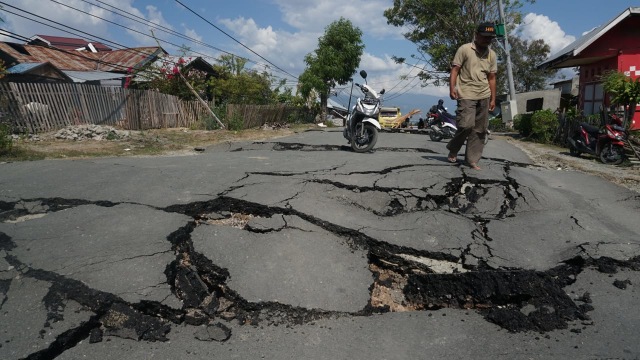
(300, 248)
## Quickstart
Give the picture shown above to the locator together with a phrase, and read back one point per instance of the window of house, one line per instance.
(593, 98)
(534, 104)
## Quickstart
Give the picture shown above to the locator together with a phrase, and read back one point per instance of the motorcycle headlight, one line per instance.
(619, 137)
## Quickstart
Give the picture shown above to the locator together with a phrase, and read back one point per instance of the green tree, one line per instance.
(622, 90)
(334, 61)
(285, 95)
(439, 27)
(525, 55)
(237, 85)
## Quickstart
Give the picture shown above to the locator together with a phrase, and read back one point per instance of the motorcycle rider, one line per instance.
(473, 85)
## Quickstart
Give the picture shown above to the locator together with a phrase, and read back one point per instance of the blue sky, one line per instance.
(279, 33)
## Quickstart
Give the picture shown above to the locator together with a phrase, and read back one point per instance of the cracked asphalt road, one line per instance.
(300, 248)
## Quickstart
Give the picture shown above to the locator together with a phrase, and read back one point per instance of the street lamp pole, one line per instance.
(507, 49)
(512, 108)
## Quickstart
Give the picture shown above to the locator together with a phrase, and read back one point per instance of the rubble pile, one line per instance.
(91, 132)
(275, 126)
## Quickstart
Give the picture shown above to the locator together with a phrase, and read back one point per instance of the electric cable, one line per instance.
(234, 39)
(167, 30)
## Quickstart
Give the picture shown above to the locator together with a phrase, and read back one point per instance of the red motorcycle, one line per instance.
(607, 142)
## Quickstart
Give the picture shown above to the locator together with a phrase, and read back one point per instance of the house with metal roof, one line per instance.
(613, 46)
(67, 43)
(36, 72)
(100, 68)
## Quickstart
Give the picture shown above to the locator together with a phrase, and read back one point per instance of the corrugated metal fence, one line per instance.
(36, 107)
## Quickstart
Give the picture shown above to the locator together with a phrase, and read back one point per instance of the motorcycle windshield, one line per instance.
(368, 110)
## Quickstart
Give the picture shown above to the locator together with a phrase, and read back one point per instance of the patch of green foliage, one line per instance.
(522, 123)
(540, 126)
(497, 125)
(544, 124)
(6, 141)
(235, 123)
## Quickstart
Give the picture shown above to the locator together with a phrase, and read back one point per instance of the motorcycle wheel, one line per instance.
(435, 135)
(612, 154)
(367, 140)
(574, 152)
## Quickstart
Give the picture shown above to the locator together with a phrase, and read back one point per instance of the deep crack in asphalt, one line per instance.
(515, 299)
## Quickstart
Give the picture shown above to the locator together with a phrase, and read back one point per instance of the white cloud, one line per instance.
(285, 46)
(28, 25)
(536, 26)
(192, 33)
(308, 19)
(144, 33)
(260, 40)
(314, 16)
(76, 18)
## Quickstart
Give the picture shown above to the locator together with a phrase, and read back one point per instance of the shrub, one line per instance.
(235, 123)
(522, 123)
(496, 125)
(6, 141)
(544, 124)
(208, 122)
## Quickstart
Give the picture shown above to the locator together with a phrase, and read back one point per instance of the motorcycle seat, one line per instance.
(590, 128)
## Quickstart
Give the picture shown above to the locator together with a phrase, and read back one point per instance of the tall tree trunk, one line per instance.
(323, 107)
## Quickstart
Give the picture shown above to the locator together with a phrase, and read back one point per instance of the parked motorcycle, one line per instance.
(362, 125)
(607, 142)
(442, 124)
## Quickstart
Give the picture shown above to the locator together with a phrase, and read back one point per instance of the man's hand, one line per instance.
(492, 104)
(453, 92)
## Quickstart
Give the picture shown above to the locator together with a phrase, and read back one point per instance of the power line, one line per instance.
(143, 21)
(154, 26)
(234, 39)
(76, 31)
(75, 54)
(14, 35)
(146, 22)
(122, 47)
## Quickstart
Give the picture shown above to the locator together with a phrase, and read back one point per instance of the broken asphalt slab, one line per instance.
(298, 247)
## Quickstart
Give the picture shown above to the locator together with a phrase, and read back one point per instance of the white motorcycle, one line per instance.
(362, 125)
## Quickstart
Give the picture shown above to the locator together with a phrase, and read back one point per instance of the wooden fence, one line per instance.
(37, 108)
(258, 115)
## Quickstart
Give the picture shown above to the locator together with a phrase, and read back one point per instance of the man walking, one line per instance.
(473, 85)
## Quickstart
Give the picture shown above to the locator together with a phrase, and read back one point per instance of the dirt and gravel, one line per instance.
(555, 157)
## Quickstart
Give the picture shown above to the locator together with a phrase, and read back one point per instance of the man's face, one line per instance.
(483, 41)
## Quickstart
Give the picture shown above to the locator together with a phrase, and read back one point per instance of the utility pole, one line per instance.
(510, 110)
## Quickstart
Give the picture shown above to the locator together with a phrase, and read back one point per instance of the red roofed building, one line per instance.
(66, 43)
(611, 46)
